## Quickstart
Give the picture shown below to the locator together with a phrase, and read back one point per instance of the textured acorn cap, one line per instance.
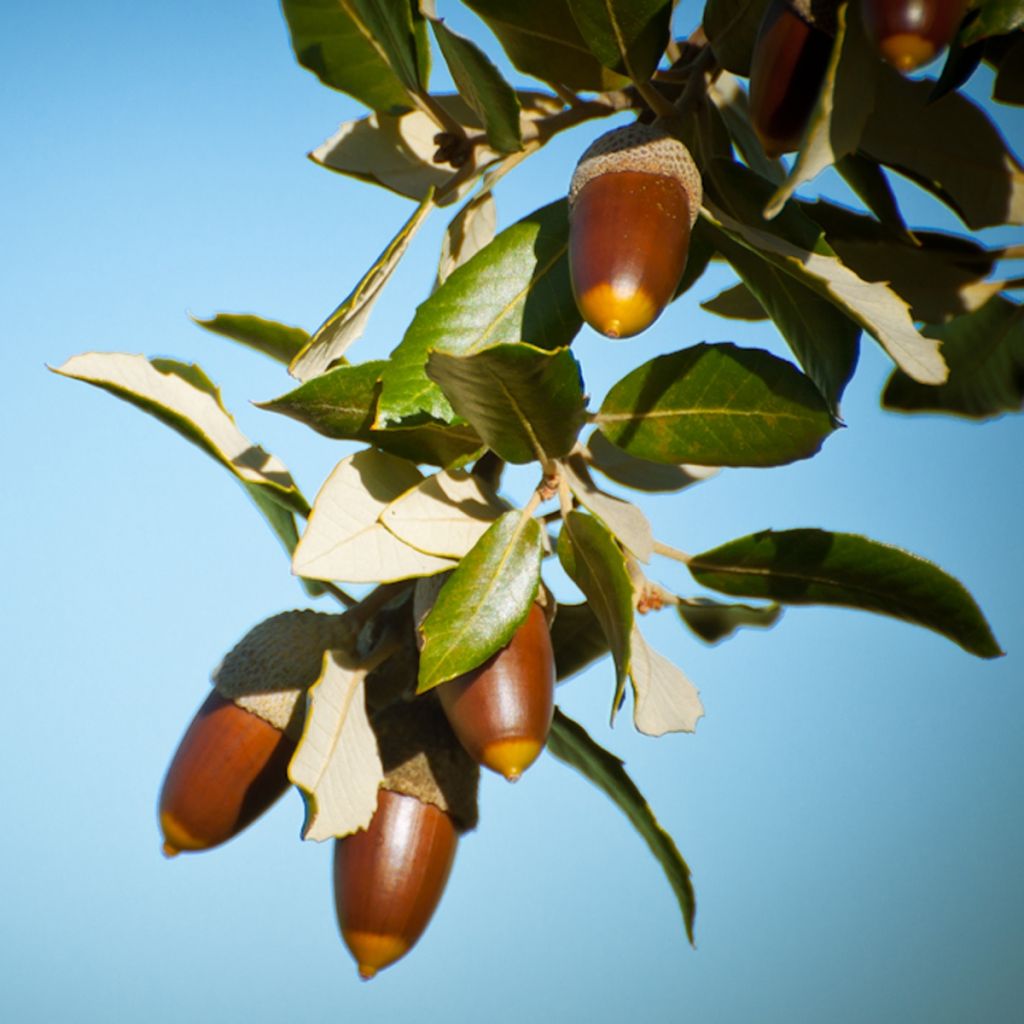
(271, 667)
(644, 148)
(422, 758)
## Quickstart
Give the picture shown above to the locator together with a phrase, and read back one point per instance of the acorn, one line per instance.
(389, 879)
(787, 68)
(633, 200)
(232, 763)
(910, 33)
(501, 711)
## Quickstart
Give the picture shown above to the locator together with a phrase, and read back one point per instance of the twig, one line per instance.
(670, 552)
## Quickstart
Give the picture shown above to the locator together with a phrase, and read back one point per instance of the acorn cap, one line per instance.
(422, 758)
(641, 148)
(270, 669)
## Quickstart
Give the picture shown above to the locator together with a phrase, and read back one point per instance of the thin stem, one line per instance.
(658, 103)
(343, 598)
(670, 552)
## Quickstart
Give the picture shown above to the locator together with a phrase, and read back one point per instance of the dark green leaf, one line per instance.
(737, 302)
(716, 405)
(869, 182)
(279, 341)
(985, 352)
(541, 39)
(342, 404)
(1009, 84)
(640, 474)
(995, 18)
(713, 621)
(961, 63)
(821, 336)
(697, 259)
(628, 36)
(515, 289)
(396, 28)
(950, 147)
(331, 40)
(571, 743)
(577, 639)
(731, 27)
(483, 87)
(524, 402)
(596, 565)
(483, 602)
(818, 567)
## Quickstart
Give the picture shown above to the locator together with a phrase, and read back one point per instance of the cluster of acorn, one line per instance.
(232, 765)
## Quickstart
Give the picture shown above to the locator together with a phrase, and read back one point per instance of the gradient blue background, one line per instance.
(850, 805)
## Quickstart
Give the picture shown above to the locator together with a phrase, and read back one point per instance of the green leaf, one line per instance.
(716, 405)
(737, 302)
(817, 567)
(596, 565)
(347, 323)
(1009, 84)
(734, 106)
(640, 474)
(731, 27)
(577, 639)
(869, 182)
(822, 337)
(571, 743)
(469, 231)
(542, 39)
(985, 352)
(483, 87)
(342, 404)
(483, 602)
(976, 174)
(515, 289)
(995, 18)
(279, 341)
(627, 36)
(332, 39)
(524, 402)
(714, 621)
(399, 31)
(624, 520)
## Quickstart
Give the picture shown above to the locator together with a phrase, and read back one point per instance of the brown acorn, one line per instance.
(634, 197)
(501, 711)
(229, 768)
(388, 879)
(910, 33)
(787, 67)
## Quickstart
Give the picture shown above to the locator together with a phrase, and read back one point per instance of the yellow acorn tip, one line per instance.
(906, 51)
(617, 312)
(170, 851)
(177, 837)
(373, 952)
(511, 757)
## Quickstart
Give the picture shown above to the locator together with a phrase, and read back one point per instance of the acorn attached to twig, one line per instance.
(787, 68)
(910, 33)
(501, 711)
(633, 200)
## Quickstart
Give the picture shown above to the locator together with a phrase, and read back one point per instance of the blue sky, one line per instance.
(849, 806)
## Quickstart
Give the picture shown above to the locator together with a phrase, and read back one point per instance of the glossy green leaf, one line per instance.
(483, 87)
(542, 39)
(818, 567)
(571, 743)
(483, 602)
(627, 36)
(279, 341)
(822, 337)
(995, 18)
(978, 177)
(985, 352)
(332, 39)
(731, 27)
(526, 403)
(714, 621)
(342, 404)
(737, 302)
(641, 474)
(469, 231)
(577, 639)
(596, 565)
(716, 405)
(515, 289)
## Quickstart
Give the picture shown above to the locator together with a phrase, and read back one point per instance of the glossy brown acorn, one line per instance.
(909, 33)
(389, 878)
(787, 68)
(501, 711)
(633, 200)
(229, 768)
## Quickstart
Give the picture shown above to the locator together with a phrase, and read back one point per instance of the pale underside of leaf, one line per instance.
(875, 306)
(627, 522)
(444, 515)
(664, 698)
(344, 539)
(337, 764)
